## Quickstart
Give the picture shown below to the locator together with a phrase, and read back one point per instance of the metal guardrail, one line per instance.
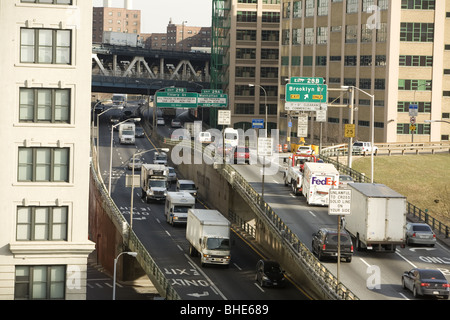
(131, 240)
(412, 210)
(321, 274)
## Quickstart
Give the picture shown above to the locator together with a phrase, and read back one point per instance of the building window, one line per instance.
(245, 72)
(309, 36)
(352, 6)
(246, 16)
(351, 34)
(47, 46)
(39, 282)
(43, 165)
(245, 53)
(269, 72)
(41, 224)
(417, 32)
(322, 35)
(309, 8)
(273, 17)
(421, 128)
(322, 8)
(419, 85)
(244, 108)
(416, 61)
(270, 35)
(423, 107)
(63, 2)
(44, 105)
(419, 4)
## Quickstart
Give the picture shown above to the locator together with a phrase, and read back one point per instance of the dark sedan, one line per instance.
(426, 282)
(325, 244)
(270, 274)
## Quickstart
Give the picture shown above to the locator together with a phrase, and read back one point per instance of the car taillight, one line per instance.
(324, 247)
(446, 285)
(351, 248)
(414, 234)
(424, 284)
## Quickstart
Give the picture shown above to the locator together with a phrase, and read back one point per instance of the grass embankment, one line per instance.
(423, 179)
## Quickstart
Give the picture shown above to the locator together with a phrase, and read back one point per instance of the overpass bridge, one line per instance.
(122, 69)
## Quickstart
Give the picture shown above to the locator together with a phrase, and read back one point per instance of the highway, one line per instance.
(168, 245)
(371, 276)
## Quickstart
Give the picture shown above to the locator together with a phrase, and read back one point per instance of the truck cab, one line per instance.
(177, 206)
(160, 158)
(127, 133)
(154, 182)
(208, 233)
(187, 186)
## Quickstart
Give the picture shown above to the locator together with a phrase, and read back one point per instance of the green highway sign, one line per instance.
(306, 93)
(212, 100)
(176, 99)
(305, 80)
(306, 97)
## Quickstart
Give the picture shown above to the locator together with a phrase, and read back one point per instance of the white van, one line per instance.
(177, 206)
(204, 137)
(231, 136)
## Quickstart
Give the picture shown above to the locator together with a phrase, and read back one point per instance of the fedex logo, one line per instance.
(323, 182)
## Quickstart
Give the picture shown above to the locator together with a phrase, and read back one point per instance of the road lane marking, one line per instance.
(312, 213)
(259, 287)
(412, 264)
(213, 286)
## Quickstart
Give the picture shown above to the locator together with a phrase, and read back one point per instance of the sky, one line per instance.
(155, 14)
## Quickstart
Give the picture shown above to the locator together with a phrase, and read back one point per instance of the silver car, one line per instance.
(172, 175)
(420, 233)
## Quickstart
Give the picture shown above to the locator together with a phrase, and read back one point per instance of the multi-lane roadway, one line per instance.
(168, 245)
(371, 276)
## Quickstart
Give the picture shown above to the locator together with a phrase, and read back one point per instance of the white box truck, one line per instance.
(208, 233)
(127, 133)
(318, 179)
(177, 206)
(154, 181)
(377, 218)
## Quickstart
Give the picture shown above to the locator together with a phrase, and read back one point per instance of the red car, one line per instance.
(241, 155)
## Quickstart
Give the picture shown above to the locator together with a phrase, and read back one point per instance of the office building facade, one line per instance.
(45, 86)
(396, 51)
(123, 20)
(245, 51)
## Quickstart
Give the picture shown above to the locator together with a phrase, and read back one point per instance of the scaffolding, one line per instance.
(220, 44)
(221, 21)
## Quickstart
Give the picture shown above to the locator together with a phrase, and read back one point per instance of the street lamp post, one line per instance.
(372, 131)
(98, 125)
(111, 148)
(133, 254)
(267, 135)
(132, 180)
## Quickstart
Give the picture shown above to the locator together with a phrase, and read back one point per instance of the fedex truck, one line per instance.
(318, 179)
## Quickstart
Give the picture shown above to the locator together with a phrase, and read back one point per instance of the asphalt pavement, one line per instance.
(100, 286)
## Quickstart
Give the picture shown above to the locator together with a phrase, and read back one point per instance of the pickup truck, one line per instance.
(293, 175)
(360, 147)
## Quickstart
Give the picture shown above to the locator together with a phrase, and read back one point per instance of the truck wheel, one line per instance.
(192, 251)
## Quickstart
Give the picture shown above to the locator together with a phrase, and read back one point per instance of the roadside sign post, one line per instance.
(339, 204)
(212, 98)
(265, 146)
